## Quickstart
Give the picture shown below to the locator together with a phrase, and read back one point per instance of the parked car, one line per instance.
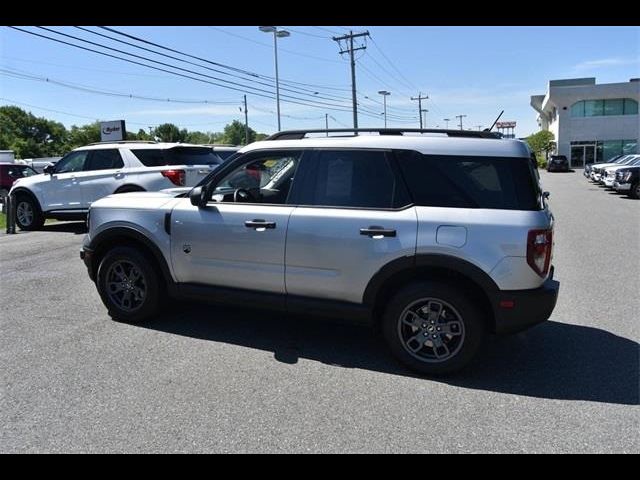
(589, 166)
(598, 169)
(558, 163)
(608, 176)
(435, 239)
(224, 151)
(9, 173)
(628, 180)
(66, 190)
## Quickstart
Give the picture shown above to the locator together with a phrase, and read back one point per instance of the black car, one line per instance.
(628, 181)
(558, 163)
(9, 173)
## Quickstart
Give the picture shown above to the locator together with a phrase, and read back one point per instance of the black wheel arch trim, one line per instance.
(26, 191)
(410, 264)
(129, 187)
(107, 235)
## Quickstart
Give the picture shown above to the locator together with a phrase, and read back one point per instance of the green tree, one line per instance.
(84, 135)
(30, 136)
(168, 132)
(542, 143)
(234, 134)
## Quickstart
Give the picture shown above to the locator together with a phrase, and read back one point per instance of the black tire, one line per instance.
(26, 203)
(142, 306)
(634, 192)
(464, 344)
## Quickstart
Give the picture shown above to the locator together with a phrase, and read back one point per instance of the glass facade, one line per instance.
(604, 150)
(599, 108)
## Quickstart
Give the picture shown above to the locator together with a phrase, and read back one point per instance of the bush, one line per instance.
(542, 162)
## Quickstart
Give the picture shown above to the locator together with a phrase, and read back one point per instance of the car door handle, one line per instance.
(259, 224)
(377, 232)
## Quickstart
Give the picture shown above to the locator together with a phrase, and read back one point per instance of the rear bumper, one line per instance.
(517, 310)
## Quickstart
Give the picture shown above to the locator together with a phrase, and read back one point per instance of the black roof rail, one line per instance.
(299, 134)
(123, 141)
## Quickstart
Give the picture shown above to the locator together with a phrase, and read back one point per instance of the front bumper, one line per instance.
(86, 255)
(621, 187)
(517, 310)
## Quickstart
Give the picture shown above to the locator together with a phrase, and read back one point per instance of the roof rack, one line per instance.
(124, 141)
(299, 134)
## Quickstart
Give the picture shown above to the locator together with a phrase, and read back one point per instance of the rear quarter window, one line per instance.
(176, 156)
(470, 181)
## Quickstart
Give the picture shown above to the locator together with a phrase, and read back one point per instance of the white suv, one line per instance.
(66, 190)
(435, 238)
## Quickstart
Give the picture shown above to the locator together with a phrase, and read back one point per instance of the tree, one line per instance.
(84, 135)
(234, 133)
(30, 136)
(542, 142)
(168, 132)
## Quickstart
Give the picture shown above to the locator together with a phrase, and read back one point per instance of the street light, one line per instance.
(276, 34)
(384, 94)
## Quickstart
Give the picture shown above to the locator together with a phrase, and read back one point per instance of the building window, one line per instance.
(599, 108)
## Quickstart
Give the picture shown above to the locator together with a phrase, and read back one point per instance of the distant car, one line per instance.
(609, 174)
(558, 163)
(9, 173)
(598, 169)
(224, 151)
(628, 181)
(66, 190)
(589, 166)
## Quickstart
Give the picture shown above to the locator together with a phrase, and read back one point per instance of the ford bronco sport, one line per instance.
(436, 237)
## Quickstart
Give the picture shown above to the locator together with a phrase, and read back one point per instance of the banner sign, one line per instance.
(112, 131)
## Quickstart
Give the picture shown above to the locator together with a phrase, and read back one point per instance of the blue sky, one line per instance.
(474, 71)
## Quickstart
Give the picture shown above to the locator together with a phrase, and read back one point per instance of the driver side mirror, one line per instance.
(546, 195)
(49, 169)
(196, 196)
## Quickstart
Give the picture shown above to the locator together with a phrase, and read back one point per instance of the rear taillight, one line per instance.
(177, 177)
(539, 245)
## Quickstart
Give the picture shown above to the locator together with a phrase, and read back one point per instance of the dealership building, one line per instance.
(590, 122)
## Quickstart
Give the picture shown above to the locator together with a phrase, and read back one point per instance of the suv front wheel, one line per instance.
(128, 285)
(433, 328)
(28, 214)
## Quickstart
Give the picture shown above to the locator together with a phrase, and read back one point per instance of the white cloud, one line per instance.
(606, 62)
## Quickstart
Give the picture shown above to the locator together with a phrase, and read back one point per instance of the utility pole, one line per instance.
(460, 117)
(447, 120)
(326, 123)
(420, 98)
(479, 127)
(246, 122)
(425, 117)
(351, 49)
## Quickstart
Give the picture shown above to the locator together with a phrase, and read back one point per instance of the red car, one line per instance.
(9, 173)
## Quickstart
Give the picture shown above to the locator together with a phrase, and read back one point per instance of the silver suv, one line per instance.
(436, 237)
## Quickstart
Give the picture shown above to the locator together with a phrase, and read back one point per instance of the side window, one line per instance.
(150, 157)
(103, 160)
(73, 162)
(262, 180)
(355, 178)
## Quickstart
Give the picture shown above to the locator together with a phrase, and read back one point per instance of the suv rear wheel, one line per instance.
(433, 328)
(128, 285)
(28, 214)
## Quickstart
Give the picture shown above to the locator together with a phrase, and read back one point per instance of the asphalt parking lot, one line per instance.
(207, 379)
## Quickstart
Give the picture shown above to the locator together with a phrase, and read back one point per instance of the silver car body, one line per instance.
(317, 252)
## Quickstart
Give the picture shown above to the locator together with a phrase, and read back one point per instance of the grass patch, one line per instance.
(3, 221)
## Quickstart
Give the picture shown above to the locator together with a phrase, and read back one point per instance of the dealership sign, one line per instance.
(112, 131)
(506, 125)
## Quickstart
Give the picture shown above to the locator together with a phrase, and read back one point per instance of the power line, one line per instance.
(218, 64)
(268, 95)
(408, 82)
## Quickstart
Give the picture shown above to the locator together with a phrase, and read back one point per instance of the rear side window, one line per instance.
(177, 156)
(104, 160)
(361, 179)
(470, 181)
(19, 171)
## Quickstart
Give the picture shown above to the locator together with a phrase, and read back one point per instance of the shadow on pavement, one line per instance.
(553, 360)
(76, 228)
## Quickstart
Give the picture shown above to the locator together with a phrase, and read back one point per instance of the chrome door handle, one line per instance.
(377, 232)
(259, 224)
